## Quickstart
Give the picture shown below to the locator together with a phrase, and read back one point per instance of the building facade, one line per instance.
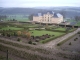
(48, 17)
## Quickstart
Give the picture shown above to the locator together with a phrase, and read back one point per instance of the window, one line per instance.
(48, 20)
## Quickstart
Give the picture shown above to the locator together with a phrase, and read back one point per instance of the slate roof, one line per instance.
(56, 15)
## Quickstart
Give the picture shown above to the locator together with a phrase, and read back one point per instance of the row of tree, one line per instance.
(3, 17)
(77, 18)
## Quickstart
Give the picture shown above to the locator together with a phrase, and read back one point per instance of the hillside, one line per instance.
(70, 12)
(16, 11)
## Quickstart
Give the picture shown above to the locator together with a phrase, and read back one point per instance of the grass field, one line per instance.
(11, 28)
(61, 29)
(78, 24)
(18, 18)
(43, 32)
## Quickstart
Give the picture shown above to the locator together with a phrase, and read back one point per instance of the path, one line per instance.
(52, 43)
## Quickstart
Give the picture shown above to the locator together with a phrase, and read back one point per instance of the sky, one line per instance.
(39, 3)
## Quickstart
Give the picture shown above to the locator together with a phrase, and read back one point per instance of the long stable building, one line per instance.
(48, 17)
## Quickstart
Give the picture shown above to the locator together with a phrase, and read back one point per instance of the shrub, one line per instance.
(37, 40)
(70, 43)
(30, 42)
(8, 35)
(19, 39)
(78, 33)
(3, 34)
(15, 34)
(75, 39)
(58, 44)
(34, 43)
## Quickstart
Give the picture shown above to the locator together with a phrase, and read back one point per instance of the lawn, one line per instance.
(60, 29)
(43, 32)
(78, 24)
(18, 18)
(11, 28)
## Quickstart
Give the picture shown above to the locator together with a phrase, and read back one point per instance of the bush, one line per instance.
(3, 34)
(70, 43)
(8, 35)
(37, 40)
(58, 44)
(34, 43)
(19, 39)
(30, 42)
(75, 39)
(78, 33)
(15, 34)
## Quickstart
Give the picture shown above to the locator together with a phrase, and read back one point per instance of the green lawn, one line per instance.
(18, 18)
(43, 32)
(78, 24)
(11, 28)
(60, 29)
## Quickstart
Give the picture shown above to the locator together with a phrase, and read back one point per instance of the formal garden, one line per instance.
(32, 33)
(25, 39)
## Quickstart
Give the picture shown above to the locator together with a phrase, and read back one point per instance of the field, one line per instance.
(78, 24)
(61, 29)
(22, 18)
(43, 32)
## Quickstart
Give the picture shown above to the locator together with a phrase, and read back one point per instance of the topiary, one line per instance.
(19, 39)
(70, 43)
(30, 42)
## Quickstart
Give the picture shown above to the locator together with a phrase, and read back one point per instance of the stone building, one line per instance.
(48, 17)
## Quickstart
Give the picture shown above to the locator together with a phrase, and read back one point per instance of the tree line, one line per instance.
(3, 17)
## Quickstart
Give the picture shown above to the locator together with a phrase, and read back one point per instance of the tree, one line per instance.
(28, 35)
(3, 17)
(24, 33)
(67, 29)
(77, 18)
(30, 17)
(19, 33)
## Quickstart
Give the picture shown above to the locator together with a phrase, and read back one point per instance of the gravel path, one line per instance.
(52, 43)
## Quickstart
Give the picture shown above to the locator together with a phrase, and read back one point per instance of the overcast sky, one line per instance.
(36, 3)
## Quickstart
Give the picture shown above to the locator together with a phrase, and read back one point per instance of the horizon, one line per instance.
(39, 3)
(42, 7)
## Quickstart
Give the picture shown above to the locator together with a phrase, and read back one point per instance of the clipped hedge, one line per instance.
(49, 39)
